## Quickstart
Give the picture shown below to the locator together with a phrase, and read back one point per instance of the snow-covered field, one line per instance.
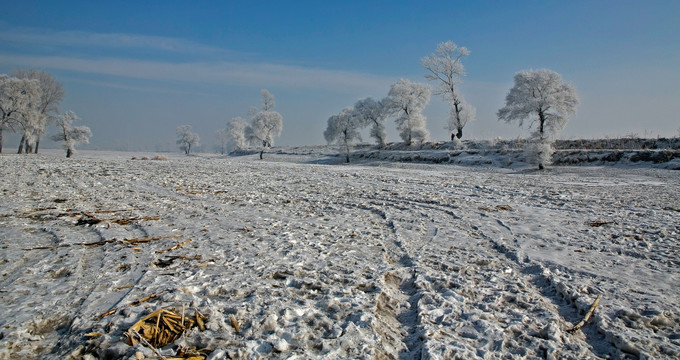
(374, 260)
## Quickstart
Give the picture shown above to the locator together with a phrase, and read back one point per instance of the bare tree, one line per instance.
(70, 135)
(540, 96)
(267, 100)
(222, 136)
(52, 92)
(445, 66)
(187, 139)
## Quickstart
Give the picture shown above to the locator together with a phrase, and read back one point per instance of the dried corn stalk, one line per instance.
(588, 315)
(174, 247)
(234, 323)
(163, 327)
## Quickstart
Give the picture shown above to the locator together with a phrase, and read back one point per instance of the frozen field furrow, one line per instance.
(376, 260)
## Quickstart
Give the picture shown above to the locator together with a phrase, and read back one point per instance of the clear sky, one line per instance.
(135, 70)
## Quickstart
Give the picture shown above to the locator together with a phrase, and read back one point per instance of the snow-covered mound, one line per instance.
(382, 260)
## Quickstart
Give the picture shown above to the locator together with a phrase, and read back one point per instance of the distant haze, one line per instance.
(134, 72)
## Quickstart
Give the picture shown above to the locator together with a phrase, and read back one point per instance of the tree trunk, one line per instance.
(21, 145)
(37, 144)
(541, 121)
(28, 147)
(261, 152)
(458, 124)
(69, 152)
(0, 139)
(540, 166)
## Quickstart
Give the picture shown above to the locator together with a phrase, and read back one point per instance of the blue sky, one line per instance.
(134, 71)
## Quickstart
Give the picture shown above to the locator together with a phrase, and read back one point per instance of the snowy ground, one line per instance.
(375, 260)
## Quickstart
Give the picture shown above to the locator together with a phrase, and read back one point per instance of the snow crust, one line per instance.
(373, 260)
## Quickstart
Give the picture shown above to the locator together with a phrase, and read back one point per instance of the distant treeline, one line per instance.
(626, 143)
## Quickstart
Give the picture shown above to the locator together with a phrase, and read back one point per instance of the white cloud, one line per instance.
(43, 37)
(248, 73)
(228, 73)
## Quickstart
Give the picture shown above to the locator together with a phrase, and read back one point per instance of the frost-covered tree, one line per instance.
(30, 125)
(236, 128)
(16, 99)
(46, 109)
(539, 150)
(70, 135)
(540, 96)
(222, 136)
(373, 113)
(446, 67)
(406, 100)
(343, 129)
(265, 125)
(459, 115)
(187, 139)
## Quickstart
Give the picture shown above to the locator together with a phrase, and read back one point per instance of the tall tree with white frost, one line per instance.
(445, 66)
(46, 109)
(16, 99)
(406, 100)
(343, 129)
(69, 134)
(540, 96)
(265, 124)
(236, 128)
(29, 125)
(373, 113)
(187, 139)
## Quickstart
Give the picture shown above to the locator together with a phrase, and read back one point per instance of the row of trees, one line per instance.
(539, 96)
(265, 124)
(405, 102)
(29, 103)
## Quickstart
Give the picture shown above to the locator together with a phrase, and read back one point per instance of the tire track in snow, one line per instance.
(536, 274)
(510, 269)
(395, 316)
(29, 260)
(397, 307)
